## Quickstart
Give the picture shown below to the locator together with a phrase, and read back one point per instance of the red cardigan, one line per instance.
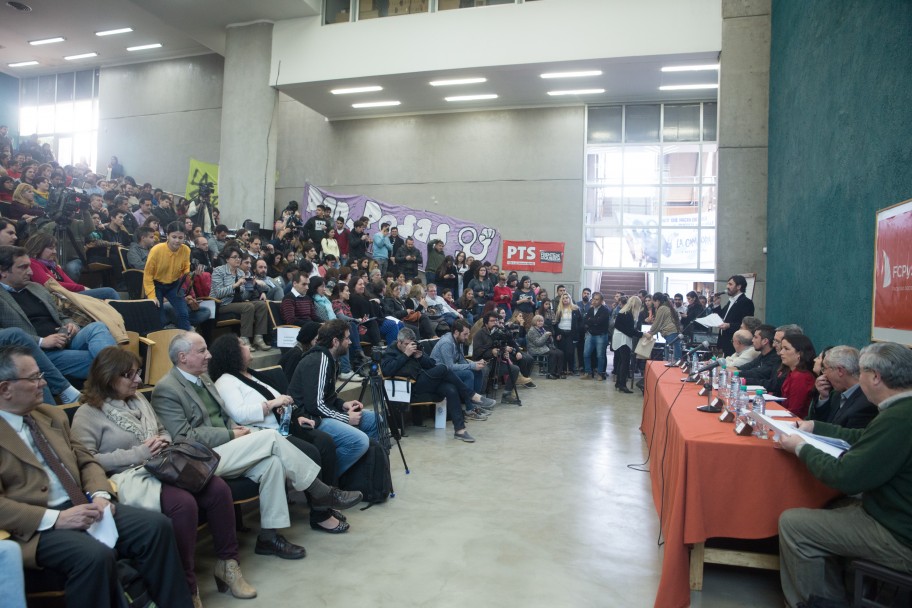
(798, 390)
(41, 274)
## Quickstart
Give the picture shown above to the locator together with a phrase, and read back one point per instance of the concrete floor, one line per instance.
(541, 511)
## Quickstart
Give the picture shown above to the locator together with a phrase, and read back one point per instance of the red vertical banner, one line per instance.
(533, 256)
(893, 274)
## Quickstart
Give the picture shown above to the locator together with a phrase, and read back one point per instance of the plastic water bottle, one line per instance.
(734, 390)
(286, 421)
(759, 402)
(723, 381)
(743, 400)
(715, 376)
(694, 362)
(669, 353)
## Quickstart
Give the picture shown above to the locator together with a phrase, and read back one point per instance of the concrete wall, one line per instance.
(9, 105)
(839, 135)
(155, 116)
(520, 171)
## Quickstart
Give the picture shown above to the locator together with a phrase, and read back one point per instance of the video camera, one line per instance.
(68, 203)
(205, 189)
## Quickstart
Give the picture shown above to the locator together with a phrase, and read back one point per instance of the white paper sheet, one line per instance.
(712, 320)
(105, 529)
(287, 337)
(824, 444)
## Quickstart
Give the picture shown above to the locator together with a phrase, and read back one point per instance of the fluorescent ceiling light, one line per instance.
(688, 87)
(446, 83)
(572, 74)
(22, 64)
(690, 68)
(577, 92)
(47, 41)
(82, 56)
(471, 97)
(376, 104)
(145, 47)
(122, 30)
(369, 89)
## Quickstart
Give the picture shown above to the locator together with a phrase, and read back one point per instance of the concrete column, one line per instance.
(247, 151)
(743, 143)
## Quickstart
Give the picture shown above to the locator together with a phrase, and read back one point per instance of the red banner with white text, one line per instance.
(533, 256)
(893, 271)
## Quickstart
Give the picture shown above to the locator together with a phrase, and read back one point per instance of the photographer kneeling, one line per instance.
(408, 360)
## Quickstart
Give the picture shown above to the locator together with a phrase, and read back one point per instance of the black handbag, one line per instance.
(185, 464)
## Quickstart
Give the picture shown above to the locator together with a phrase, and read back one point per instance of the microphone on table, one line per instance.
(683, 360)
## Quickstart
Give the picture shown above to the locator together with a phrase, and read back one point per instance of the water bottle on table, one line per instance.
(285, 422)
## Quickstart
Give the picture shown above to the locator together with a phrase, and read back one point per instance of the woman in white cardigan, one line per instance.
(120, 428)
(250, 401)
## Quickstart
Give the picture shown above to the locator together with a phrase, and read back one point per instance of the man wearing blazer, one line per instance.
(841, 401)
(738, 307)
(52, 490)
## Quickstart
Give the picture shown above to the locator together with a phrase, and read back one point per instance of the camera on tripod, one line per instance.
(72, 202)
(205, 189)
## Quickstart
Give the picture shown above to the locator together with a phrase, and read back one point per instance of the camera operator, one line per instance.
(200, 209)
(73, 218)
(511, 333)
(489, 345)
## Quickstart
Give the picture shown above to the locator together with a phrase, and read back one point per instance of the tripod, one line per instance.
(63, 231)
(498, 364)
(381, 409)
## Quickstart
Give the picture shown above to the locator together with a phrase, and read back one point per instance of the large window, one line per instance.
(651, 181)
(62, 109)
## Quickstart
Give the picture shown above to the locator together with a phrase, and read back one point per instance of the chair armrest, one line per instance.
(216, 300)
(146, 341)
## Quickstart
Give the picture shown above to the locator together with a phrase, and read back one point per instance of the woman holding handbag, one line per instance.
(623, 341)
(120, 428)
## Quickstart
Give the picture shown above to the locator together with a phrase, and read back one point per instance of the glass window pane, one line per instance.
(641, 205)
(82, 116)
(604, 165)
(710, 163)
(605, 124)
(84, 146)
(65, 86)
(602, 247)
(709, 201)
(642, 123)
(641, 164)
(46, 119)
(681, 164)
(84, 81)
(681, 122)
(641, 246)
(708, 249)
(28, 92)
(680, 246)
(680, 206)
(28, 120)
(47, 89)
(65, 150)
(682, 282)
(603, 206)
(709, 121)
(64, 118)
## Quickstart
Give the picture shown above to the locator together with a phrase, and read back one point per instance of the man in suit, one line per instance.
(52, 490)
(189, 405)
(738, 307)
(841, 401)
(30, 307)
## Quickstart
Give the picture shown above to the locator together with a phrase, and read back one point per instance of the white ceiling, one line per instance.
(192, 28)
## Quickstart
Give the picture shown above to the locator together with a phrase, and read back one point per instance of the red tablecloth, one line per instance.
(708, 482)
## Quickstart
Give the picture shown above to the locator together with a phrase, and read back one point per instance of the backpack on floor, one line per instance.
(135, 593)
(370, 476)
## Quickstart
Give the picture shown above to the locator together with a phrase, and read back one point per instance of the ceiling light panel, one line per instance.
(471, 97)
(577, 74)
(351, 90)
(687, 87)
(376, 104)
(123, 30)
(47, 41)
(22, 64)
(690, 68)
(456, 81)
(144, 47)
(576, 92)
(82, 56)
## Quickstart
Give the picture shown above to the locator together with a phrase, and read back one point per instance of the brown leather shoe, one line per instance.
(228, 576)
(280, 547)
(337, 499)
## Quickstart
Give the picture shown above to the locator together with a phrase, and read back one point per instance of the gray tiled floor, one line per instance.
(541, 511)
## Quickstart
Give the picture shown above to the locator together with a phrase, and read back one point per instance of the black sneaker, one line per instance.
(509, 399)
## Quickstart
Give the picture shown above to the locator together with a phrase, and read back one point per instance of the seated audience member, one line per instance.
(340, 297)
(765, 365)
(483, 349)
(119, 428)
(313, 390)
(144, 240)
(219, 240)
(449, 351)
(251, 401)
(774, 383)
(55, 383)
(840, 399)
(165, 210)
(297, 307)
(24, 206)
(42, 250)
(408, 360)
(797, 354)
(30, 307)
(540, 342)
(53, 490)
(116, 232)
(379, 328)
(437, 304)
(145, 209)
(816, 545)
(228, 285)
(268, 287)
(524, 297)
(8, 234)
(503, 295)
(188, 404)
(307, 337)
(468, 305)
(201, 259)
(12, 585)
(743, 341)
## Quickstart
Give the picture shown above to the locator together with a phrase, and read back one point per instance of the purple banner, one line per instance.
(480, 242)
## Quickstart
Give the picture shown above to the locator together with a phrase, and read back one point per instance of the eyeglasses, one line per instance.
(36, 378)
(234, 257)
(131, 374)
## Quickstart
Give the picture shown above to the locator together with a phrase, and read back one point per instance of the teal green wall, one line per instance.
(840, 147)
(9, 104)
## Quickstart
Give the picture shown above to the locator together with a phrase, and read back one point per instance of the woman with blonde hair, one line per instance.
(24, 202)
(623, 341)
(567, 323)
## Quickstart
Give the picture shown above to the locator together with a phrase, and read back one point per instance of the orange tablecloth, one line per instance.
(708, 482)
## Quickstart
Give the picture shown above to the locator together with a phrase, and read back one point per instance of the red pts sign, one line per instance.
(533, 256)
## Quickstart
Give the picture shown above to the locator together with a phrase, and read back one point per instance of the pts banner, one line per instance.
(533, 256)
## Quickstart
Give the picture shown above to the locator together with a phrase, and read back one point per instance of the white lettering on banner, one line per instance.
(516, 254)
(551, 256)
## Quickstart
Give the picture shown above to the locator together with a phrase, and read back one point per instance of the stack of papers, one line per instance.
(827, 445)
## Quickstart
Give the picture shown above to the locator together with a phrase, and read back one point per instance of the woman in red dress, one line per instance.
(797, 354)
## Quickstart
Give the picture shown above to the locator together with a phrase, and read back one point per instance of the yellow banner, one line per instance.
(201, 172)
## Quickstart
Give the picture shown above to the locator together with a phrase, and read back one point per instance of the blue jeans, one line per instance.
(172, 292)
(197, 317)
(56, 383)
(472, 379)
(12, 585)
(677, 342)
(351, 442)
(599, 343)
(101, 293)
(76, 359)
